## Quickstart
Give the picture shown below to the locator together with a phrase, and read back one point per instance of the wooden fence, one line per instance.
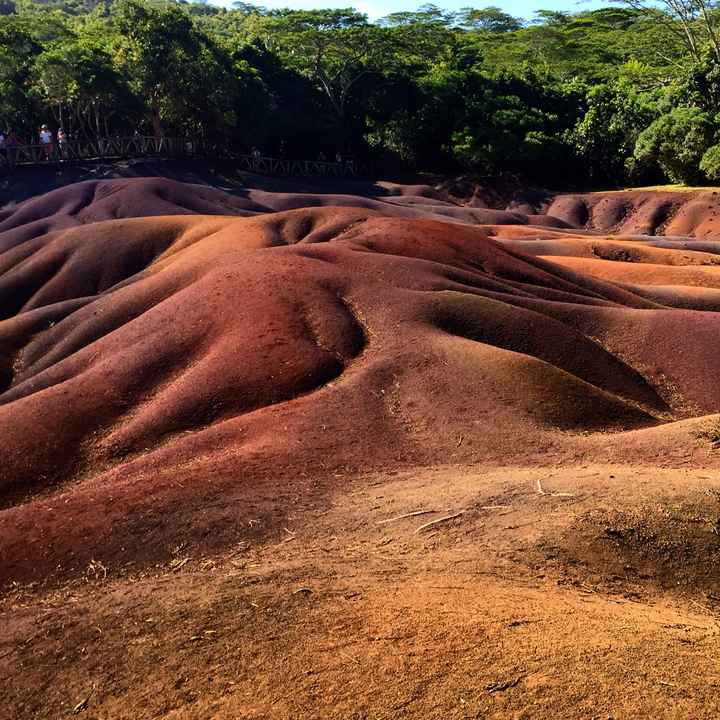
(140, 146)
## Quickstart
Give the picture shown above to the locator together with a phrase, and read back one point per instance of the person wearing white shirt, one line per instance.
(46, 140)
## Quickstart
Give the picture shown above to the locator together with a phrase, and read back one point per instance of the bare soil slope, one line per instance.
(647, 212)
(187, 373)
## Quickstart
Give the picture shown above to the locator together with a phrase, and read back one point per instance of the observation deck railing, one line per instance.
(141, 146)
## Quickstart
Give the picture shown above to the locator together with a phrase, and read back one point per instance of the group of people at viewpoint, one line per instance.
(47, 140)
(55, 146)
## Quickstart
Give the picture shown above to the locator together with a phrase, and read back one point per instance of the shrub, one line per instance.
(677, 142)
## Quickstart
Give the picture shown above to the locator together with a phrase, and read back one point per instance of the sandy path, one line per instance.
(486, 616)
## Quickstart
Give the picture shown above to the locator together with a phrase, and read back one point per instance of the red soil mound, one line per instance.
(189, 371)
(96, 200)
(646, 212)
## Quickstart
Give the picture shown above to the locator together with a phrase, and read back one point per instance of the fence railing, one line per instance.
(138, 146)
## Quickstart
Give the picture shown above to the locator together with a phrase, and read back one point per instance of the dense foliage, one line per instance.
(614, 96)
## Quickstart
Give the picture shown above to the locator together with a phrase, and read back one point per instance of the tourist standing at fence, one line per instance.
(62, 140)
(46, 140)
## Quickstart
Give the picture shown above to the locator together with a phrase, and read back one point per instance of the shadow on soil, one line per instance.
(660, 547)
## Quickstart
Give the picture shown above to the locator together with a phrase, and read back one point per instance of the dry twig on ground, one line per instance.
(406, 515)
(551, 494)
(439, 520)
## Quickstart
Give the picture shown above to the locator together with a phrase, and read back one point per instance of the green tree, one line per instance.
(77, 80)
(693, 22)
(677, 142)
(182, 77)
(489, 19)
(702, 84)
(335, 48)
(605, 137)
(17, 51)
(710, 163)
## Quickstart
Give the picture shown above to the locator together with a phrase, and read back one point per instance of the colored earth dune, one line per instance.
(174, 358)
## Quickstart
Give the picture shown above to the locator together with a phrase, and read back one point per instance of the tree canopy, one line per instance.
(620, 95)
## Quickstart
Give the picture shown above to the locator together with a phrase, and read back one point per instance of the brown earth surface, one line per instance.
(227, 416)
